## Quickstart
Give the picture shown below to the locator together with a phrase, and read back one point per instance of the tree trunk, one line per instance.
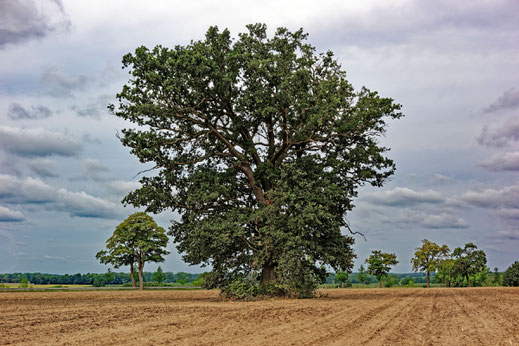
(428, 278)
(133, 276)
(379, 283)
(141, 267)
(342, 284)
(268, 275)
(468, 280)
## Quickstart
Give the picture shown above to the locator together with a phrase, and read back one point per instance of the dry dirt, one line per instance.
(413, 316)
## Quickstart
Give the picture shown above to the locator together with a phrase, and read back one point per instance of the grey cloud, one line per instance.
(48, 258)
(23, 20)
(502, 162)
(507, 197)
(443, 221)
(88, 138)
(58, 84)
(509, 234)
(37, 142)
(92, 170)
(25, 191)
(509, 100)
(8, 215)
(509, 213)
(123, 187)
(432, 219)
(398, 23)
(43, 167)
(503, 135)
(18, 112)
(95, 108)
(83, 205)
(403, 196)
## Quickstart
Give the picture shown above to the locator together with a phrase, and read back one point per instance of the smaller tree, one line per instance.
(390, 280)
(445, 272)
(24, 282)
(138, 239)
(159, 275)
(469, 261)
(99, 281)
(379, 264)
(362, 276)
(497, 279)
(182, 278)
(511, 275)
(342, 278)
(428, 256)
(200, 280)
(109, 276)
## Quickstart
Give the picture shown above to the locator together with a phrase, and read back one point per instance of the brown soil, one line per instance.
(436, 316)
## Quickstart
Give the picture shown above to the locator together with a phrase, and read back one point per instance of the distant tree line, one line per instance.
(89, 278)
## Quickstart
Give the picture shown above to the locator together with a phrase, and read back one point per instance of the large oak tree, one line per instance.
(260, 144)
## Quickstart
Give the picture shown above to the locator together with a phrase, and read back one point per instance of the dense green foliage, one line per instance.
(466, 267)
(24, 282)
(109, 276)
(99, 281)
(159, 275)
(379, 264)
(138, 239)
(428, 257)
(362, 276)
(343, 279)
(511, 275)
(260, 144)
(468, 261)
(88, 279)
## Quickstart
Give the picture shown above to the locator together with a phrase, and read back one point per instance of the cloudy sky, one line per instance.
(452, 65)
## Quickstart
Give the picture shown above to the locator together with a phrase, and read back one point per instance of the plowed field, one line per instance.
(436, 316)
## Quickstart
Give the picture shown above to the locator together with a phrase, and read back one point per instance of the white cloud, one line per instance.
(428, 219)
(8, 215)
(37, 142)
(403, 196)
(502, 162)
(84, 205)
(34, 191)
(121, 187)
(56, 258)
(506, 197)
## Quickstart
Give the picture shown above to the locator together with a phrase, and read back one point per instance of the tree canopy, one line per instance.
(511, 275)
(380, 263)
(260, 144)
(138, 239)
(428, 256)
(468, 261)
(159, 275)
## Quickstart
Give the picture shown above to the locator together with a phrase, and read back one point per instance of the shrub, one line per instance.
(511, 275)
(241, 289)
(389, 280)
(99, 281)
(24, 283)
